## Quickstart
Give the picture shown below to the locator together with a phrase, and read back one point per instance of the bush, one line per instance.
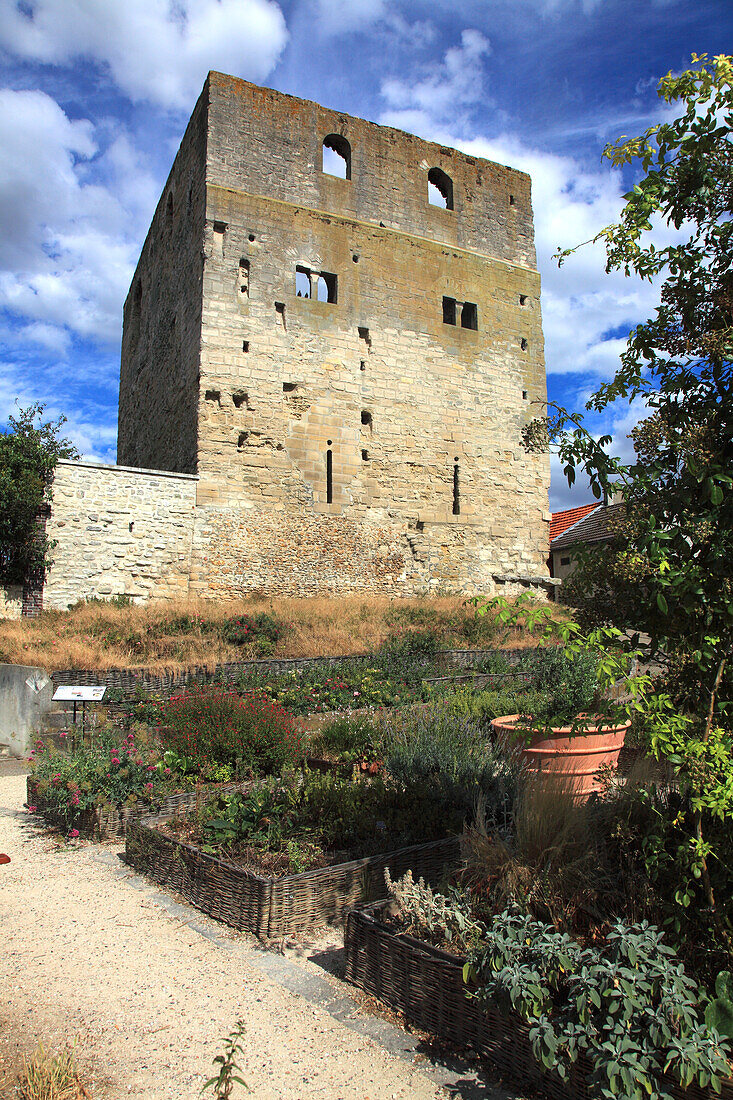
(262, 631)
(114, 771)
(570, 682)
(627, 1003)
(483, 706)
(452, 757)
(349, 739)
(212, 724)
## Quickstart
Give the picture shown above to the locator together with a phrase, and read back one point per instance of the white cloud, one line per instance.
(67, 244)
(154, 49)
(444, 90)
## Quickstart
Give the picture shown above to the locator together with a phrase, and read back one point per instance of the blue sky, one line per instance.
(95, 96)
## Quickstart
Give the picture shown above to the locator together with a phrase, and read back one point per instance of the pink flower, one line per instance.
(148, 786)
(64, 733)
(32, 809)
(74, 833)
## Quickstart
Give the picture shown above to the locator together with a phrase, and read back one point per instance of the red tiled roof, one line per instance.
(560, 521)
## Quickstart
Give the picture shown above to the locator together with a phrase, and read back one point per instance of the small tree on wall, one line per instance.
(29, 453)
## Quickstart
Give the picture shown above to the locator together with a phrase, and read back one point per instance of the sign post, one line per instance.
(80, 694)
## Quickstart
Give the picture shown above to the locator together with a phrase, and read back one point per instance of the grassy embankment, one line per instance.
(175, 635)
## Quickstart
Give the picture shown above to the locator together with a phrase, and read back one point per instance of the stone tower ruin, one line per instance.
(336, 326)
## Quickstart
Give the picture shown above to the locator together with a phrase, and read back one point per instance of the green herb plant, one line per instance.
(228, 1076)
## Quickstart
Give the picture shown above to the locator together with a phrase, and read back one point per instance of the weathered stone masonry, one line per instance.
(341, 367)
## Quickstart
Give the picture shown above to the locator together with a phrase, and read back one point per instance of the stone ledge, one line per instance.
(111, 468)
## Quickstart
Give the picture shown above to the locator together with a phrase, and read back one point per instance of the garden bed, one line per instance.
(270, 907)
(111, 822)
(426, 985)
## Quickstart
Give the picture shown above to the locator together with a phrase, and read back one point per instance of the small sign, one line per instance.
(37, 681)
(79, 694)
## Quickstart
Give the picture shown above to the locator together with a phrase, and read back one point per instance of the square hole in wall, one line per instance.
(245, 345)
(524, 344)
(290, 387)
(522, 299)
(240, 399)
(213, 396)
(365, 456)
(366, 418)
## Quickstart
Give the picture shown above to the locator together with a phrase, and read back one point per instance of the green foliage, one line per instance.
(214, 724)
(677, 540)
(225, 1080)
(415, 643)
(29, 453)
(483, 706)
(441, 919)
(452, 758)
(348, 739)
(627, 1003)
(391, 682)
(262, 631)
(571, 681)
(114, 770)
(719, 1010)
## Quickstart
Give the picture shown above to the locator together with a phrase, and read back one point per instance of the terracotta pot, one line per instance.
(570, 758)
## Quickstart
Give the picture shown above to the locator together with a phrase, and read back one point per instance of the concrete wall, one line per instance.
(119, 531)
(25, 696)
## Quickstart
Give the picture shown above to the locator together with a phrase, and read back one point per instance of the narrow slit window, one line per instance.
(524, 344)
(337, 156)
(449, 311)
(456, 489)
(329, 474)
(469, 315)
(440, 189)
(220, 229)
(280, 311)
(169, 212)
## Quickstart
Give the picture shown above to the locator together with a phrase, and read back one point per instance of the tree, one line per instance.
(676, 544)
(675, 549)
(29, 453)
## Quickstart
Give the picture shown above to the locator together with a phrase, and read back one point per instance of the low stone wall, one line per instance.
(119, 531)
(11, 601)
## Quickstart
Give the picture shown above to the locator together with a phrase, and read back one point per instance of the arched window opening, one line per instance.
(440, 189)
(327, 284)
(337, 156)
(302, 282)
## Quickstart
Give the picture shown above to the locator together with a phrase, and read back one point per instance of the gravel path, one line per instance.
(149, 986)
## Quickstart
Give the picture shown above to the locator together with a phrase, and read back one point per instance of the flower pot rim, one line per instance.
(511, 722)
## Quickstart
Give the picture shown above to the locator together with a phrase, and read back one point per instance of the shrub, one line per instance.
(350, 739)
(482, 706)
(416, 643)
(212, 724)
(114, 771)
(627, 1003)
(570, 681)
(452, 757)
(262, 631)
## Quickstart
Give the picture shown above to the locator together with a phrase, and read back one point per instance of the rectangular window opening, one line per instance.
(469, 315)
(302, 282)
(449, 311)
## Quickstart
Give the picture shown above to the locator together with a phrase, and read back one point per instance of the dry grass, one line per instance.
(558, 866)
(102, 635)
(48, 1076)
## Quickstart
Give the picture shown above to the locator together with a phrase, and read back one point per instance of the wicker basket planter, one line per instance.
(426, 985)
(270, 907)
(111, 822)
